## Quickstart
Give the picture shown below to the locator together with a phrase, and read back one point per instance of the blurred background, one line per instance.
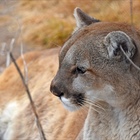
(41, 24)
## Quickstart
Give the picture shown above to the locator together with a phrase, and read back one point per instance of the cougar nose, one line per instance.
(56, 90)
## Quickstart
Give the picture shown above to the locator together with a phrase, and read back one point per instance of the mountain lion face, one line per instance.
(92, 66)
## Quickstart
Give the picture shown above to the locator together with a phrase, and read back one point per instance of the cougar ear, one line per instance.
(116, 40)
(82, 19)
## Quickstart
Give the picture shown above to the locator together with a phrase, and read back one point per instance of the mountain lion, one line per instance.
(95, 82)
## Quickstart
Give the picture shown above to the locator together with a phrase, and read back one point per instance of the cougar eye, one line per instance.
(80, 70)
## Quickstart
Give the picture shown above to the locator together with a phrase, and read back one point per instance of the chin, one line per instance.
(68, 105)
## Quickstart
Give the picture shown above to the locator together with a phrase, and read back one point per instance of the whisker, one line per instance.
(82, 110)
(94, 100)
(97, 98)
(92, 104)
(86, 105)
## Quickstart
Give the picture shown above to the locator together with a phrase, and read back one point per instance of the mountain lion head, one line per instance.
(93, 66)
(98, 75)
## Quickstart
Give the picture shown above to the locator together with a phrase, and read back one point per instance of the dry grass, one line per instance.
(49, 22)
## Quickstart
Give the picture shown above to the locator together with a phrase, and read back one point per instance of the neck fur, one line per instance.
(113, 123)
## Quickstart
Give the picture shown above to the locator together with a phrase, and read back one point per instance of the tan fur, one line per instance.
(94, 72)
(41, 68)
(110, 83)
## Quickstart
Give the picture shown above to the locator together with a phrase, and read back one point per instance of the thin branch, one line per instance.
(25, 77)
(129, 59)
(131, 18)
(41, 132)
(3, 48)
(25, 66)
(131, 11)
(8, 55)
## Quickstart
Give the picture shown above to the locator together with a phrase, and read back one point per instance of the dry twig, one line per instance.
(41, 132)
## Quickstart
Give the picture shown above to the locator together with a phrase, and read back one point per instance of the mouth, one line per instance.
(70, 104)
